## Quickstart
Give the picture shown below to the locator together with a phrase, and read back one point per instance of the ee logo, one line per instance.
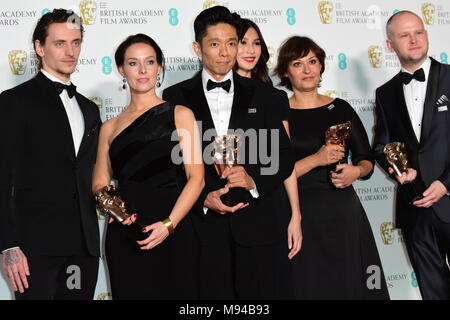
(291, 16)
(106, 62)
(444, 58)
(342, 58)
(173, 14)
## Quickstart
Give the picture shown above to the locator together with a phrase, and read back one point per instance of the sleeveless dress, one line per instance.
(149, 182)
(339, 257)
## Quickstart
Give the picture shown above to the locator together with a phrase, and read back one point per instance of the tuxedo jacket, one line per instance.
(431, 156)
(46, 202)
(254, 107)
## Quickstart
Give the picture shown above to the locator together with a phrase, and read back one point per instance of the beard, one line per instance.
(411, 61)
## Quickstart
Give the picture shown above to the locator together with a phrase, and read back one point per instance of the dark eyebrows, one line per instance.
(132, 58)
(218, 39)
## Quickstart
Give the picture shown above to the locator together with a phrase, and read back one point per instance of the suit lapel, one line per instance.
(403, 109)
(241, 103)
(197, 101)
(430, 99)
(89, 125)
(58, 115)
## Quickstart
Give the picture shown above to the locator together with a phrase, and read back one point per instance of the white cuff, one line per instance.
(9, 249)
(254, 192)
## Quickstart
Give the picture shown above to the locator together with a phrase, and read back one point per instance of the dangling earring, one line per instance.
(158, 82)
(124, 86)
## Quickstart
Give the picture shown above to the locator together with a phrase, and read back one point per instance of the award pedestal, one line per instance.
(134, 231)
(235, 196)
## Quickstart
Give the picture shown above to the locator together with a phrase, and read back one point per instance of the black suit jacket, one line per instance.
(46, 203)
(254, 107)
(431, 156)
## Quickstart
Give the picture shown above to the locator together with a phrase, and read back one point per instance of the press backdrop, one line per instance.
(351, 32)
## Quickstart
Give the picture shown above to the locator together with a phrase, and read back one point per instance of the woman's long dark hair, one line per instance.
(260, 71)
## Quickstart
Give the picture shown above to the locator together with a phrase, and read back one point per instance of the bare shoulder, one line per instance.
(183, 113)
(109, 124)
(108, 128)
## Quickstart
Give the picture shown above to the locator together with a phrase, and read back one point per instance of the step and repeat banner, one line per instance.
(352, 32)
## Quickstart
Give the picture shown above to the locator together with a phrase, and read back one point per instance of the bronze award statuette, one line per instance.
(338, 135)
(111, 204)
(225, 154)
(397, 157)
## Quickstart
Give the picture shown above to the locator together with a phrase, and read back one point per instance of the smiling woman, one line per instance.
(334, 222)
(135, 149)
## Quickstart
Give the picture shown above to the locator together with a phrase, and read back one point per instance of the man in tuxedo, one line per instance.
(243, 246)
(412, 108)
(49, 236)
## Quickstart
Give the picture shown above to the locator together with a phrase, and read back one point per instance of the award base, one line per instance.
(235, 196)
(134, 232)
(413, 194)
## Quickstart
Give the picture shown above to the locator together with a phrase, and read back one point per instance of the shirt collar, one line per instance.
(206, 76)
(53, 78)
(425, 66)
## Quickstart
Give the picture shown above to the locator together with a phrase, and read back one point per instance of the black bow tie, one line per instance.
(225, 85)
(419, 75)
(61, 86)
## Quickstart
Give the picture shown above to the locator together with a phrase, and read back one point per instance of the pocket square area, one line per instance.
(251, 110)
(442, 108)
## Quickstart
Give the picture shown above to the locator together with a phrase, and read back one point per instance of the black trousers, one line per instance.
(428, 245)
(229, 270)
(61, 278)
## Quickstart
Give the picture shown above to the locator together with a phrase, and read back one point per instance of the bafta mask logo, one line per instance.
(270, 62)
(332, 94)
(428, 11)
(104, 296)
(210, 3)
(375, 55)
(387, 233)
(88, 10)
(326, 11)
(98, 101)
(18, 61)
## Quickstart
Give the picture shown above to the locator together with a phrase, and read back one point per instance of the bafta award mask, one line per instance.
(428, 11)
(338, 134)
(326, 11)
(88, 10)
(17, 61)
(396, 156)
(375, 54)
(225, 152)
(387, 233)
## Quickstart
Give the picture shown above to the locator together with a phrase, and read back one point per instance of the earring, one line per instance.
(158, 82)
(124, 86)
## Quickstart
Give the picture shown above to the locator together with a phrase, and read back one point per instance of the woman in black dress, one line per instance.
(251, 62)
(339, 257)
(139, 150)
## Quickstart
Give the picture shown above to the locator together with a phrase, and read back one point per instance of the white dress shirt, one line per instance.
(415, 92)
(73, 112)
(74, 115)
(220, 103)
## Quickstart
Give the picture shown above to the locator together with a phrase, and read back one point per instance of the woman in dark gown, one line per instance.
(339, 257)
(251, 62)
(140, 149)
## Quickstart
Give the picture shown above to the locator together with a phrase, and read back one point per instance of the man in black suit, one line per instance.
(413, 108)
(243, 247)
(49, 232)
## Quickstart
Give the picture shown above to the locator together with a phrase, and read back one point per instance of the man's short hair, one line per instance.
(395, 15)
(213, 16)
(56, 16)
